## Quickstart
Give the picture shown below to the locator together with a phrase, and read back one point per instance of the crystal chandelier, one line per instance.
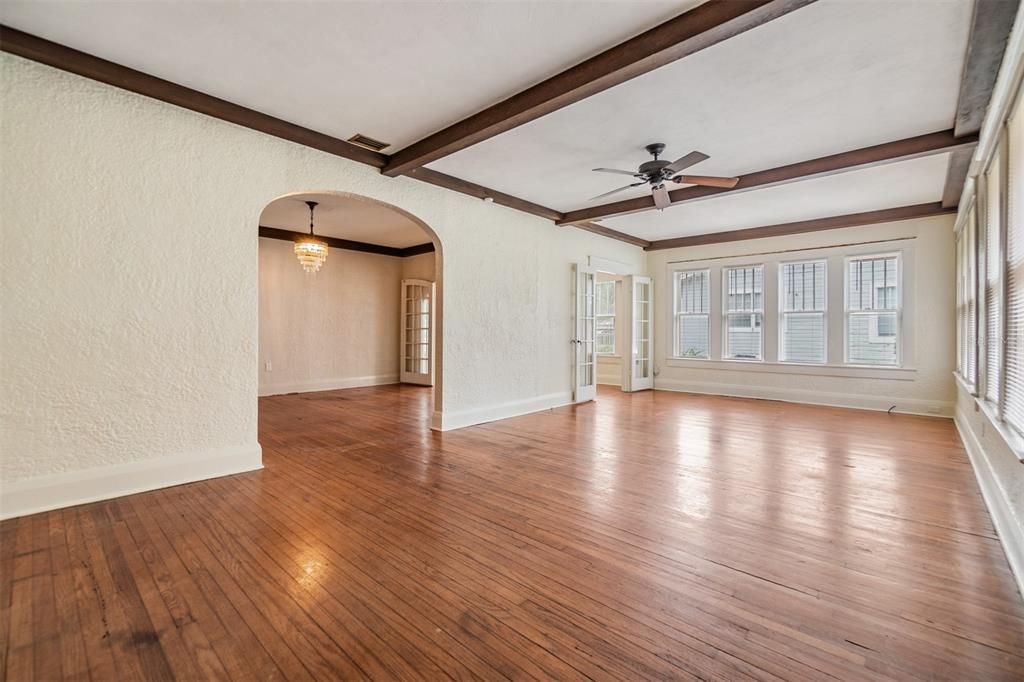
(310, 251)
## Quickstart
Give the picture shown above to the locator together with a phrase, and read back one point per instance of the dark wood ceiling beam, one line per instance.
(889, 152)
(480, 192)
(990, 30)
(73, 61)
(887, 215)
(704, 26)
(348, 244)
(614, 234)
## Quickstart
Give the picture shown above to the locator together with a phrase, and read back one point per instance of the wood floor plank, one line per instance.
(641, 536)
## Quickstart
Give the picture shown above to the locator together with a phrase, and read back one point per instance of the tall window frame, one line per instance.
(691, 314)
(605, 324)
(743, 293)
(805, 299)
(967, 289)
(876, 309)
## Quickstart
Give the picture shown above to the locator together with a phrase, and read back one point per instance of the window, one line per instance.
(802, 301)
(966, 299)
(743, 312)
(691, 308)
(993, 279)
(605, 318)
(872, 310)
(1013, 410)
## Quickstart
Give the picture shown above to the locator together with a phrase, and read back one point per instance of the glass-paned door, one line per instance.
(584, 354)
(417, 351)
(639, 375)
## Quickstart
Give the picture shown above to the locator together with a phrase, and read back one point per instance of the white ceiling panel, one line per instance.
(361, 221)
(396, 71)
(830, 77)
(905, 183)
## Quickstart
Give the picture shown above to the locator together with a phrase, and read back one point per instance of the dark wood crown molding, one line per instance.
(704, 26)
(866, 157)
(348, 244)
(73, 61)
(990, 30)
(613, 234)
(886, 215)
(480, 192)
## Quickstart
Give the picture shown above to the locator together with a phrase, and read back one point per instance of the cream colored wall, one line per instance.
(130, 276)
(335, 329)
(924, 386)
(422, 266)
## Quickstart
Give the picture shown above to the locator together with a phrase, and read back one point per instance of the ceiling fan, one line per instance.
(657, 172)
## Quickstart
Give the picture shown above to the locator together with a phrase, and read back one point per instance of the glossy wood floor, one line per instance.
(646, 536)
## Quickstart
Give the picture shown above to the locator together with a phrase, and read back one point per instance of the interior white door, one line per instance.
(584, 354)
(416, 362)
(638, 374)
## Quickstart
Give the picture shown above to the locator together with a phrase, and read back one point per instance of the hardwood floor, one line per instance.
(645, 536)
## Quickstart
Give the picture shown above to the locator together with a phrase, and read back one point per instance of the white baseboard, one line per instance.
(1010, 531)
(448, 421)
(71, 488)
(931, 408)
(328, 384)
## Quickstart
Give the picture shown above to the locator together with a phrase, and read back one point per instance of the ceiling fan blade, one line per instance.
(616, 170)
(615, 191)
(686, 161)
(706, 180)
(661, 198)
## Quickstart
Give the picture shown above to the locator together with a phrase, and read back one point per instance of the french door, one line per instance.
(584, 355)
(416, 363)
(638, 372)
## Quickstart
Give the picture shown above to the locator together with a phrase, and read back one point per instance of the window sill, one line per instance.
(1013, 441)
(851, 371)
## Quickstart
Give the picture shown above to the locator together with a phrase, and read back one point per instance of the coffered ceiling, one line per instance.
(755, 84)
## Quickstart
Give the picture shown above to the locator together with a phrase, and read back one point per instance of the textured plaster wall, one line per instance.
(331, 329)
(129, 268)
(929, 321)
(419, 267)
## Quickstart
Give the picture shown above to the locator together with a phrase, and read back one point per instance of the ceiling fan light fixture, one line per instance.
(311, 251)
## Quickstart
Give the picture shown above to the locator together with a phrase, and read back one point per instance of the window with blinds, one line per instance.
(743, 312)
(1013, 409)
(692, 314)
(802, 317)
(966, 299)
(993, 278)
(873, 310)
(604, 317)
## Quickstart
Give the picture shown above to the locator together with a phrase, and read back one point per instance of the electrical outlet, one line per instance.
(269, 367)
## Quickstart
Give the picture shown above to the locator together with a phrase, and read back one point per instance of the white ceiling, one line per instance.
(833, 76)
(830, 77)
(358, 220)
(905, 183)
(396, 71)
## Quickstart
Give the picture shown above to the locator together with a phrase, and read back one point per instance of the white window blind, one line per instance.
(802, 290)
(873, 310)
(692, 318)
(1013, 410)
(966, 299)
(993, 281)
(743, 305)
(605, 317)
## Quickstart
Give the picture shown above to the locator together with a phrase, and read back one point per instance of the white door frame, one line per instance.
(638, 362)
(584, 356)
(411, 349)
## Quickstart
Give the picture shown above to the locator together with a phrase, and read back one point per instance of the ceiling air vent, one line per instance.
(368, 142)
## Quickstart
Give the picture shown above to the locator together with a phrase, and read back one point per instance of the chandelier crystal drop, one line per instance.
(310, 251)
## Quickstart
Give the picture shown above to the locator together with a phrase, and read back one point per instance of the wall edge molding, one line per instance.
(927, 408)
(1010, 532)
(72, 488)
(328, 384)
(449, 421)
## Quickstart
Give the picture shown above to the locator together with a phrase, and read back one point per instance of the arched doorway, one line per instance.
(372, 315)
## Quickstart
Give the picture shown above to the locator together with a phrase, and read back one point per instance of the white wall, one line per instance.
(129, 270)
(924, 385)
(335, 329)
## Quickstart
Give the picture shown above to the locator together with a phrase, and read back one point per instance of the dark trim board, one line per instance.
(990, 30)
(705, 25)
(866, 157)
(887, 215)
(613, 234)
(68, 59)
(480, 192)
(348, 244)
